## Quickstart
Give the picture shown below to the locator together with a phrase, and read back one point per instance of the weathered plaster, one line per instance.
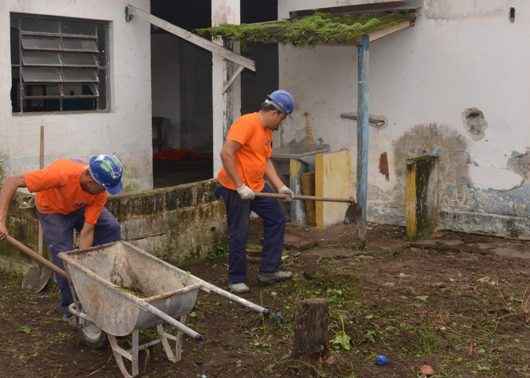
(475, 123)
(428, 76)
(124, 130)
(520, 163)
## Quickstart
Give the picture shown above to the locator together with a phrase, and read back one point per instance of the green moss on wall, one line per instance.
(316, 29)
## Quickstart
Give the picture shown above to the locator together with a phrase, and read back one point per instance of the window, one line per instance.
(58, 64)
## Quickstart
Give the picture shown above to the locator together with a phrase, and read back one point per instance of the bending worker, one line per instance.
(70, 195)
(246, 158)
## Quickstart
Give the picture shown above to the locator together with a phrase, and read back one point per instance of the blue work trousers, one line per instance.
(58, 236)
(238, 214)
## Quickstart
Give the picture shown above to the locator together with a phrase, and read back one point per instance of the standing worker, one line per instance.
(70, 195)
(246, 158)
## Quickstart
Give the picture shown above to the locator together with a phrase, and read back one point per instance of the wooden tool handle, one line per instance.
(35, 256)
(309, 198)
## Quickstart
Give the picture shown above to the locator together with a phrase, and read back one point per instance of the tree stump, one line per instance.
(311, 336)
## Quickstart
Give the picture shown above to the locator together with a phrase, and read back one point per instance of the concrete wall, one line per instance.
(462, 54)
(124, 130)
(178, 224)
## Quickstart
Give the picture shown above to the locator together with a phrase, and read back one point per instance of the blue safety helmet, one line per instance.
(281, 100)
(107, 171)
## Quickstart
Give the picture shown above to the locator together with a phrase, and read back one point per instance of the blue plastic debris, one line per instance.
(382, 360)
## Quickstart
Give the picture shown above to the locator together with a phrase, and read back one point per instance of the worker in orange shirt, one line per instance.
(70, 195)
(246, 157)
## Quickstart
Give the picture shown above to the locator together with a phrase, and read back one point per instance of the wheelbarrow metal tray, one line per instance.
(109, 281)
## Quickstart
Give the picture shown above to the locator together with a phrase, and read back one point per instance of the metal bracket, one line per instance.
(129, 13)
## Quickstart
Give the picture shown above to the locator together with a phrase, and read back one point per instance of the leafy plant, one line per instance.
(341, 339)
(24, 329)
(220, 250)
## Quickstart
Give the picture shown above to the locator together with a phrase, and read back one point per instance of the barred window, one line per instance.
(58, 64)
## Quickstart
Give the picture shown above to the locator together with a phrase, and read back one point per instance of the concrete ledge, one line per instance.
(178, 223)
(484, 223)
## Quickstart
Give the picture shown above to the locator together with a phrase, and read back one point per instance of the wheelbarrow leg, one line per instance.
(121, 354)
(173, 356)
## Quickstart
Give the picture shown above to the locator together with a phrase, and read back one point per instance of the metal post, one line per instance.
(363, 61)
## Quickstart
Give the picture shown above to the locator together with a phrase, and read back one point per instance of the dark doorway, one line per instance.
(182, 96)
(255, 86)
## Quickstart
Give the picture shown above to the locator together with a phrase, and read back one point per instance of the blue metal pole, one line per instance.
(363, 61)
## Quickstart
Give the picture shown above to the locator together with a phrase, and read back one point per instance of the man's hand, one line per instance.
(3, 231)
(286, 191)
(245, 192)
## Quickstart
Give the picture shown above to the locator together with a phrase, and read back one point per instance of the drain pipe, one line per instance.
(363, 62)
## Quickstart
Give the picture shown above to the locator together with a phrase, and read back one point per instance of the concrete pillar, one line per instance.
(226, 106)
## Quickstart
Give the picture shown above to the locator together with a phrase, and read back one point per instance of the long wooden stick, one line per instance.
(35, 256)
(309, 198)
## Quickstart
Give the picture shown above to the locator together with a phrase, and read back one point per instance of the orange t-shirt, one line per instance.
(59, 190)
(251, 158)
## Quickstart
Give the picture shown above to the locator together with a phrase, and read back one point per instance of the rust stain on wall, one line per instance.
(383, 166)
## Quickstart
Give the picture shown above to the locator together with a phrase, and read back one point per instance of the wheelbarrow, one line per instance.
(119, 289)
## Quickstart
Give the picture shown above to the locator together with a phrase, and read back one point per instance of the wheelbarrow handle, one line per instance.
(35, 256)
(162, 315)
(208, 287)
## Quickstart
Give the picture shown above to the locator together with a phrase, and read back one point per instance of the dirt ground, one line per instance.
(460, 303)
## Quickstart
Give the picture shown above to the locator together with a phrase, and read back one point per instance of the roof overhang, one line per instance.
(326, 26)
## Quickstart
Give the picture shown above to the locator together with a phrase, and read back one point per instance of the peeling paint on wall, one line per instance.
(520, 163)
(475, 123)
(453, 161)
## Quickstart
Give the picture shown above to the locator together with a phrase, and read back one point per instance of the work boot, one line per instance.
(270, 278)
(239, 288)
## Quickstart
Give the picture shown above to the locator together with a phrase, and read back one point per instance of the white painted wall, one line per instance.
(460, 54)
(124, 130)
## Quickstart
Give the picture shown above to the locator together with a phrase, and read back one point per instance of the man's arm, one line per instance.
(228, 156)
(86, 237)
(9, 188)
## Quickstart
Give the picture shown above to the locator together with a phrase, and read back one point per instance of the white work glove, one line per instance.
(245, 192)
(286, 191)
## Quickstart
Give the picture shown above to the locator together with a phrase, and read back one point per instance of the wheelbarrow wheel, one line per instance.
(92, 337)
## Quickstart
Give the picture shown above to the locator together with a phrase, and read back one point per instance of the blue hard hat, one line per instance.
(107, 171)
(282, 100)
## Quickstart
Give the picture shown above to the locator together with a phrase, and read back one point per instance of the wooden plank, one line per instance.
(195, 39)
(296, 169)
(308, 189)
(410, 202)
(358, 9)
(233, 79)
(333, 178)
(394, 29)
